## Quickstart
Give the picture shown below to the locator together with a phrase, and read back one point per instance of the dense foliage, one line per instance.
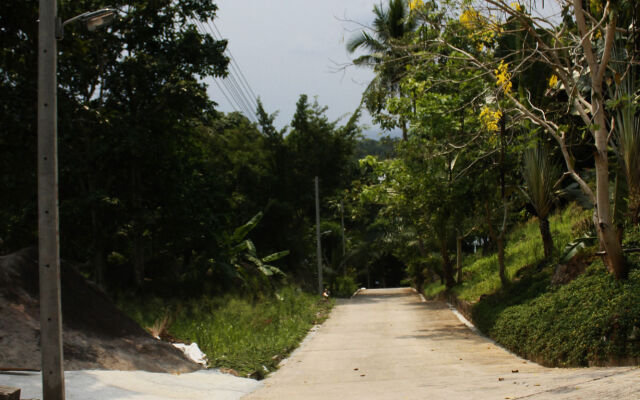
(504, 124)
(153, 180)
(496, 130)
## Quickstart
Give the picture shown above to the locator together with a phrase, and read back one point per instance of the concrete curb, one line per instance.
(461, 317)
(312, 332)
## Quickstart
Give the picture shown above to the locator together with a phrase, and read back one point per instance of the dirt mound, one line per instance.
(96, 334)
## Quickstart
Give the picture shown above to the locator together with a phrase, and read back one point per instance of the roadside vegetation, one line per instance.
(164, 199)
(248, 336)
(592, 320)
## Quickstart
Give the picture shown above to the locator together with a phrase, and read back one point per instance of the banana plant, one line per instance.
(239, 258)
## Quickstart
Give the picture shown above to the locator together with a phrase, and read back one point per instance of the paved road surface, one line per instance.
(136, 385)
(388, 344)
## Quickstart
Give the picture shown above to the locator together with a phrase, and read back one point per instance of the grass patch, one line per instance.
(250, 337)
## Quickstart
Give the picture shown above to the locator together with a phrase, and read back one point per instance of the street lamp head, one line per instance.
(92, 19)
(100, 18)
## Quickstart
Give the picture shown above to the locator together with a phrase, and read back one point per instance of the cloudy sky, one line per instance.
(288, 47)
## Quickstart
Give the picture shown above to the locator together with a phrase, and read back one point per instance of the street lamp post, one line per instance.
(48, 235)
(49, 29)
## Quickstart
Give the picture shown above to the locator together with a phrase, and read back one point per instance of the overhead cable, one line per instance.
(237, 91)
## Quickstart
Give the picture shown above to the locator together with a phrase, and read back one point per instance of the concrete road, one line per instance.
(389, 344)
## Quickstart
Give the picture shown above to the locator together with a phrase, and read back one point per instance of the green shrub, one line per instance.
(433, 289)
(343, 286)
(591, 320)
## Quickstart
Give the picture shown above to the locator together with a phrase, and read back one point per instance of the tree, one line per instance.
(390, 26)
(130, 98)
(580, 75)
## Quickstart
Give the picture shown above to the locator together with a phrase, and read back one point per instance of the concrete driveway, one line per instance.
(389, 344)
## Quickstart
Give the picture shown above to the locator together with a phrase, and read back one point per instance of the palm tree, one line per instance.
(389, 27)
(539, 175)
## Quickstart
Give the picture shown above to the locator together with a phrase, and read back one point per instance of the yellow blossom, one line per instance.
(470, 18)
(503, 77)
(480, 28)
(517, 6)
(490, 119)
(413, 4)
(553, 81)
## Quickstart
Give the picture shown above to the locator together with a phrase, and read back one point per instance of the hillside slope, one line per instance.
(96, 334)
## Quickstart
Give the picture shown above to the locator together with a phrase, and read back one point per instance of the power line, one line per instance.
(243, 87)
(235, 104)
(244, 79)
(231, 95)
(225, 95)
(238, 91)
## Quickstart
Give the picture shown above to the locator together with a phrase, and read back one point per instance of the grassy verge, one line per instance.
(592, 320)
(249, 337)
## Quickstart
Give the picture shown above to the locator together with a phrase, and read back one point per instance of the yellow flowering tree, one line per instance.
(582, 76)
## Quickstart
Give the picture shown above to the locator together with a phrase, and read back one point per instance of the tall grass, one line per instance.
(250, 337)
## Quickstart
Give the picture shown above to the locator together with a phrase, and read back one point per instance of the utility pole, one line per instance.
(319, 252)
(48, 235)
(344, 246)
(51, 29)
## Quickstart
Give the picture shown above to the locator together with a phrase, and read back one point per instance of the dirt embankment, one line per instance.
(96, 334)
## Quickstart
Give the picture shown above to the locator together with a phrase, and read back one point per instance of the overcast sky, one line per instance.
(289, 47)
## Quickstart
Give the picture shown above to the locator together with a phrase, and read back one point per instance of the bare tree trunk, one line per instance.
(614, 258)
(138, 240)
(501, 268)
(503, 198)
(404, 130)
(446, 264)
(547, 241)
